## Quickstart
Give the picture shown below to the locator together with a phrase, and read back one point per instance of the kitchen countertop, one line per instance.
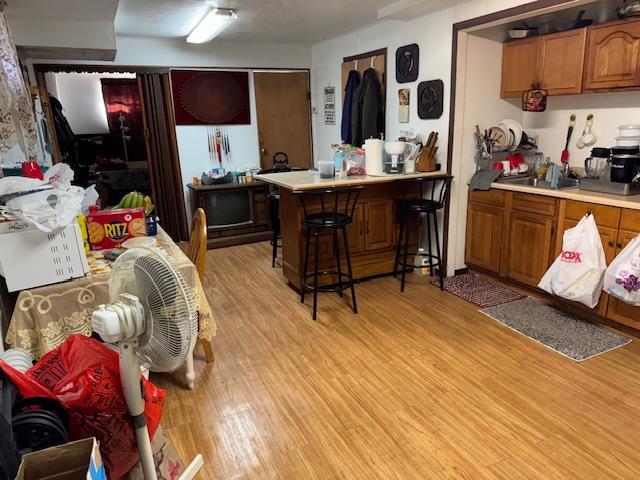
(310, 179)
(632, 201)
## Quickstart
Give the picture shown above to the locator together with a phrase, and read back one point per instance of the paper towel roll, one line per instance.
(373, 156)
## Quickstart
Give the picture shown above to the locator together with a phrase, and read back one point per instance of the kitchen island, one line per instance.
(372, 235)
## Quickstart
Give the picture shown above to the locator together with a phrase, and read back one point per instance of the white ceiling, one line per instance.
(277, 21)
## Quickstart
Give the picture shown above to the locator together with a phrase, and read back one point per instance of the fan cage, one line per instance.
(171, 319)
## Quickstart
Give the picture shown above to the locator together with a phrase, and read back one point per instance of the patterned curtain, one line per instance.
(17, 121)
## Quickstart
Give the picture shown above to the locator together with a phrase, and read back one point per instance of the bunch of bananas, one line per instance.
(137, 200)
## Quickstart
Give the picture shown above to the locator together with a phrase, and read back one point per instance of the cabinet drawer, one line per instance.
(630, 220)
(605, 216)
(526, 202)
(488, 197)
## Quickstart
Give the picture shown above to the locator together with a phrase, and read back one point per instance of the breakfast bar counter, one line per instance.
(373, 234)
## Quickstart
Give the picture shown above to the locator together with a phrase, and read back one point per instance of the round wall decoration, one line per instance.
(430, 99)
(407, 63)
(212, 97)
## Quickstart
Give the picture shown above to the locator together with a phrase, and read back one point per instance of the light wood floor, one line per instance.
(417, 386)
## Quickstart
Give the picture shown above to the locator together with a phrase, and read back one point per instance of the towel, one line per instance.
(483, 179)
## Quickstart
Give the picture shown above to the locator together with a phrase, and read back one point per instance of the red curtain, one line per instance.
(122, 101)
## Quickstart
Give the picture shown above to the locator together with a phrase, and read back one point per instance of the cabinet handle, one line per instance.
(611, 244)
(553, 231)
(367, 227)
(620, 245)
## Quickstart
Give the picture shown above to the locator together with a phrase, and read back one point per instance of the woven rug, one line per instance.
(478, 290)
(562, 333)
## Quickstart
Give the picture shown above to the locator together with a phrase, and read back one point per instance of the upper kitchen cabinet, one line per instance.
(561, 61)
(613, 53)
(519, 66)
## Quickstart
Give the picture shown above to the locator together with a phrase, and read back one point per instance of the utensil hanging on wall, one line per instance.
(564, 158)
(587, 139)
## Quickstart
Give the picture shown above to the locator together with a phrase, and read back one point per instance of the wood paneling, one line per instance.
(613, 56)
(416, 386)
(484, 236)
(530, 246)
(561, 61)
(519, 66)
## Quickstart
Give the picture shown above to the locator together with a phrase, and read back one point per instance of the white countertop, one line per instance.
(310, 179)
(632, 201)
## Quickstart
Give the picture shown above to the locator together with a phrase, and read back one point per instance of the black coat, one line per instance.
(367, 116)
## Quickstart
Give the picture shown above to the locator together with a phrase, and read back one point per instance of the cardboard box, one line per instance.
(78, 460)
(111, 228)
(168, 465)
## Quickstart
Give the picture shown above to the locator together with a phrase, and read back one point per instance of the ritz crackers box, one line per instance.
(110, 228)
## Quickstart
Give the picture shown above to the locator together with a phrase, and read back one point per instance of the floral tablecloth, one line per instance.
(45, 316)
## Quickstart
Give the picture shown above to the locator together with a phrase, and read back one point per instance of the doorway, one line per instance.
(283, 106)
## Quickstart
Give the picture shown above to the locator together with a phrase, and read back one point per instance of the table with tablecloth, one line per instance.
(44, 317)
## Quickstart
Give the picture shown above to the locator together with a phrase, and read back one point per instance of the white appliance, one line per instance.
(152, 318)
(30, 258)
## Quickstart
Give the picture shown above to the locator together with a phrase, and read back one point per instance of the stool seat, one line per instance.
(327, 220)
(421, 206)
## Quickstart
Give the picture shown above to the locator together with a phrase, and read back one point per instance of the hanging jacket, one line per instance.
(367, 117)
(347, 107)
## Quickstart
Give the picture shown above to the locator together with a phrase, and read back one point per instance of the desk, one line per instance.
(44, 317)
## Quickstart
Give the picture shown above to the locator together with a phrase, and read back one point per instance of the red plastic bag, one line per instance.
(83, 375)
(31, 169)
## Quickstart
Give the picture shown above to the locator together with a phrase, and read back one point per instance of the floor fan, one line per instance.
(152, 319)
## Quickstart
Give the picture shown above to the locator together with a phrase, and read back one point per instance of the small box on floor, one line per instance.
(79, 460)
(168, 465)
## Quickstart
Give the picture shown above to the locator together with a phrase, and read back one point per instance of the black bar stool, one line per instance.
(328, 210)
(274, 213)
(433, 195)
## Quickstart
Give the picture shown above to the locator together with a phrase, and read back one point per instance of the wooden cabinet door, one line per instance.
(530, 247)
(484, 236)
(355, 232)
(378, 221)
(561, 61)
(613, 57)
(618, 310)
(519, 66)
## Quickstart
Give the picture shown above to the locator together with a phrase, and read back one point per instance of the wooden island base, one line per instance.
(372, 235)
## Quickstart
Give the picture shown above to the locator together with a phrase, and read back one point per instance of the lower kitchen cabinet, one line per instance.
(379, 220)
(518, 236)
(484, 235)
(530, 245)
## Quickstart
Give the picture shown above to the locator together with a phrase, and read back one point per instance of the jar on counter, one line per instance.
(595, 166)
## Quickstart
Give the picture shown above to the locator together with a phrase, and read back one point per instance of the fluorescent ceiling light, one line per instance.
(212, 25)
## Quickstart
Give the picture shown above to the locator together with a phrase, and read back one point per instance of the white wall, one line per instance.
(610, 110)
(193, 148)
(81, 97)
(433, 34)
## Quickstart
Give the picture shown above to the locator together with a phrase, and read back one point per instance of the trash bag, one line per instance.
(578, 272)
(622, 278)
(83, 375)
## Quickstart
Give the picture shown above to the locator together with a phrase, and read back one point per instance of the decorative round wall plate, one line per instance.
(407, 63)
(213, 97)
(430, 99)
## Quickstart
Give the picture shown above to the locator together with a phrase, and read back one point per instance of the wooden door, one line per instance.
(613, 56)
(355, 232)
(378, 221)
(561, 61)
(519, 66)
(484, 236)
(530, 247)
(284, 117)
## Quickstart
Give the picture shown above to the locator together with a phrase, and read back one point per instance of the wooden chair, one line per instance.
(197, 253)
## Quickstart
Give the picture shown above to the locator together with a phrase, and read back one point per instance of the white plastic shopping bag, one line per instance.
(578, 272)
(622, 278)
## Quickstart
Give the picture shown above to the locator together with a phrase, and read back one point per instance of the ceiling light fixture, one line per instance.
(212, 25)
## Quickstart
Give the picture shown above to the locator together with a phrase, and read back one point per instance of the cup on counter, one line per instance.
(326, 169)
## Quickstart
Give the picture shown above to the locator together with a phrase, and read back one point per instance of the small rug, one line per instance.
(562, 333)
(478, 290)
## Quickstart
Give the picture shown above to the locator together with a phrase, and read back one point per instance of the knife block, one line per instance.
(427, 160)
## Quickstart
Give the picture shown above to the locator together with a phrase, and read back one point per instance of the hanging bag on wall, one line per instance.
(622, 278)
(578, 272)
